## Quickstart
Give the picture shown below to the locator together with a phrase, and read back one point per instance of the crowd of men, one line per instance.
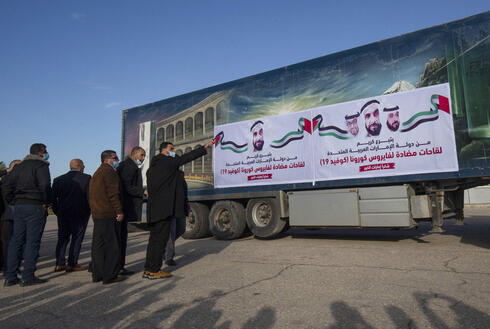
(113, 196)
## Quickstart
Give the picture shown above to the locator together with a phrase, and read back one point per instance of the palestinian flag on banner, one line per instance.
(333, 131)
(304, 125)
(229, 145)
(439, 102)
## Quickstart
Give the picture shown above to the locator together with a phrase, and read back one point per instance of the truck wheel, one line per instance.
(197, 223)
(227, 220)
(263, 217)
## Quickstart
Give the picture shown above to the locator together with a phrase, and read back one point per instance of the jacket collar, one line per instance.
(35, 157)
(107, 165)
(129, 160)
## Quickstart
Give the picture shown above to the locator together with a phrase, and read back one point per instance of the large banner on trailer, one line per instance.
(405, 133)
(396, 134)
(272, 150)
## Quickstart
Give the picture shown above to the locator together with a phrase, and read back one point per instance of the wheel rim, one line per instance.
(190, 221)
(222, 220)
(261, 214)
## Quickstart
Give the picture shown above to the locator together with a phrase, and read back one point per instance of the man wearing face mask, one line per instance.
(29, 190)
(106, 207)
(166, 201)
(132, 186)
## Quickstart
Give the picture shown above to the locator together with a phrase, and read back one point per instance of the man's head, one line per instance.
(167, 148)
(370, 111)
(393, 119)
(39, 150)
(257, 135)
(13, 164)
(138, 155)
(351, 122)
(77, 164)
(109, 157)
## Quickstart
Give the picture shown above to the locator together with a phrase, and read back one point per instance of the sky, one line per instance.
(69, 68)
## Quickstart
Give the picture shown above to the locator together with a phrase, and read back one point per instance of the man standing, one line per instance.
(105, 203)
(177, 228)
(132, 186)
(29, 189)
(7, 219)
(70, 204)
(166, 200)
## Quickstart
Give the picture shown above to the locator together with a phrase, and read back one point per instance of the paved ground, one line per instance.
(331, 278)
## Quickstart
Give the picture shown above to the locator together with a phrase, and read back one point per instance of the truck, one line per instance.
(455, 56)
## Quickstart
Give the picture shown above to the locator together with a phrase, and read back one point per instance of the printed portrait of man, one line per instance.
(351, 123)
(370, 111)
(393, 118)
(257, 130)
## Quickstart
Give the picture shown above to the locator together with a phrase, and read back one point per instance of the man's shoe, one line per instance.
(116, 279)
(170, 262)
(156, 275)
(8, 283)
(76, 268)
(32, 282)
(126, 272)
(60, 268)
(96, 280)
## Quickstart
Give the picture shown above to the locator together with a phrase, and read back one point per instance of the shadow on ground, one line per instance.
(92, 306)
(465, 316)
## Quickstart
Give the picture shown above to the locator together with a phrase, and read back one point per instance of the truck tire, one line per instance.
(227, 220)
(264, 218)
(197, 223)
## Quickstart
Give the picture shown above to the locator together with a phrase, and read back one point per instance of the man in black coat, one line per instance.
(132, 197)
(166, 200)
(6, 219)
(177, 228)
(70, 204)
(29, 190)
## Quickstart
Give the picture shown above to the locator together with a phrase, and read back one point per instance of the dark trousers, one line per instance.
(105, 249)
(70, 227)
(123, 240)
(177, 228)
(5, 233)
(159, 234)
(29, 222)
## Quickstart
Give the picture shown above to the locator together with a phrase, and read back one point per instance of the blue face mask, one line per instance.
(172, 154)
(46, 156)
(115, 164)
(138, 162)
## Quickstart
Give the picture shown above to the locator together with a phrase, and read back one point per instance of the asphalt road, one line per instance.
(331, 278)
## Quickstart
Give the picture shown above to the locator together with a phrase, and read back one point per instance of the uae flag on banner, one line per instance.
(439, 102)
(304, 125)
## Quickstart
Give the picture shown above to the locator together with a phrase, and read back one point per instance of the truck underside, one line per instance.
(268, 213)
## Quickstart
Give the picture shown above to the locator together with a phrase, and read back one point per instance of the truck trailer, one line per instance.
(448, 64)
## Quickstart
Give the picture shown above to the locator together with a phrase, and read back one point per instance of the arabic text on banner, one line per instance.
(397, 134)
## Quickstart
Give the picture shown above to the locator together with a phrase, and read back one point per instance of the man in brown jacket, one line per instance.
(106, 207)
